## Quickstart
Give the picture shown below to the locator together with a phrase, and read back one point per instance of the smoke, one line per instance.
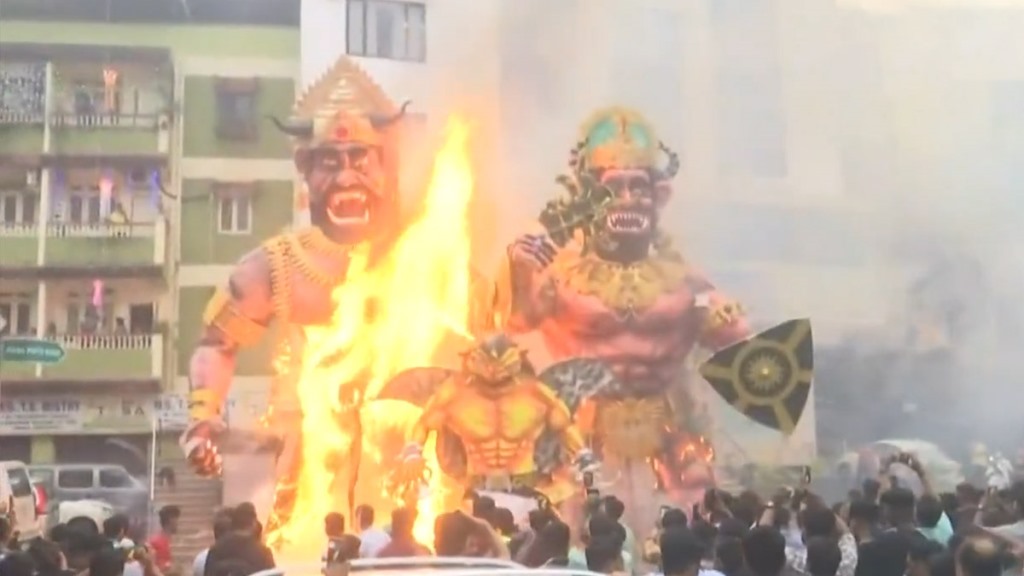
(884, 213)
(852, 162)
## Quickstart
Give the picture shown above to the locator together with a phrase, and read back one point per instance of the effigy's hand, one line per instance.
(532, 250)
(200, 450)
(586, 461)
(409, 475)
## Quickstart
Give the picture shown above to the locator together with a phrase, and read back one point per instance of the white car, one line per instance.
(85, 513)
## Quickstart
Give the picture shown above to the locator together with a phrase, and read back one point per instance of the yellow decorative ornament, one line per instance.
(624, 287)
(632, 427)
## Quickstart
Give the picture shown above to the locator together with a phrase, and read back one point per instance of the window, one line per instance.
(387, 29)
(235, 214)
(115, 478)
(18, 208)
(237, 108)
(84, 208)
(17, 317)
(75, 478)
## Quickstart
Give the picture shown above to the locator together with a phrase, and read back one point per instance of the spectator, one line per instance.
(823, 556)
(451, 533)
(615, 509)
(5, 535)
(240, 551)
(107, 562)
(372, 539)
(47, 557)
(115, 529)
(520, 543)
(886, 555)
(729, 556)
(221, 528)
(17, 564)
(602, 528)
(550, 548)
(604, 553)
(483, 508)
(863, 517)
(1014, 530)
(979, 556)
(504, 522)
(160, 543)
(821, 522)
(681, 554)
(932, 521)
(670, 518)
(403, 543)
(919, 559)
(765, 550)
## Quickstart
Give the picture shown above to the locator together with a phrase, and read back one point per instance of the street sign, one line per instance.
(30, 350)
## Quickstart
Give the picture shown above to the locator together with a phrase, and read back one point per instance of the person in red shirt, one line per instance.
(160, 543)
(403, 544)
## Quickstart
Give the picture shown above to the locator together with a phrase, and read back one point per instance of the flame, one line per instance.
(393, 312)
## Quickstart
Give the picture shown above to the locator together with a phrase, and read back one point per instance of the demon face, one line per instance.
(496, 361)
(342, 163)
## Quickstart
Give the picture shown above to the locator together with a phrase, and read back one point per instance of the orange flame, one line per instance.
(417, 295)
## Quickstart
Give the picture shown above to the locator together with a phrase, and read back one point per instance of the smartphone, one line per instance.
(807, 475)
(662, 509)
(588, 480)
(695, 512)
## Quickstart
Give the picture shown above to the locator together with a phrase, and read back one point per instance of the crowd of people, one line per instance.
(881, 528)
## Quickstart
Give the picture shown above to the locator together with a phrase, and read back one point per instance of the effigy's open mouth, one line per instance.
(628, 222)
(347, 207)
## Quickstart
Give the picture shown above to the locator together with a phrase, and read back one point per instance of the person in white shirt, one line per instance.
(373, 539)
(221, 526)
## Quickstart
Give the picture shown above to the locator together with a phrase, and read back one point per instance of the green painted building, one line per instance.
(136, 165)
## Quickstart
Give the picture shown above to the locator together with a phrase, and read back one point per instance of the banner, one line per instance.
(103, 414)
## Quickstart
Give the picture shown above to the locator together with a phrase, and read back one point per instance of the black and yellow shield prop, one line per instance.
(767, 377)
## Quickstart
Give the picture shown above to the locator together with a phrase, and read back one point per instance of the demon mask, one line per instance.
(341, 158)
(616, 188)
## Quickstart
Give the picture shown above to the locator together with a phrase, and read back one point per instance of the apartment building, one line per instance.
(136, 165)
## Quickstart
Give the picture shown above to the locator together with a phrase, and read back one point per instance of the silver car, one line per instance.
(108, 483)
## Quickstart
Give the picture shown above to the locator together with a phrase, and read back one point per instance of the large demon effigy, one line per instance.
(289, 279)
(605, 282)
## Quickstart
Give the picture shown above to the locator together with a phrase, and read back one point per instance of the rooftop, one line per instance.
(218, 12)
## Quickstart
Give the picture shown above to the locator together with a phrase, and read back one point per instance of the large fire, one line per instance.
(390, 314)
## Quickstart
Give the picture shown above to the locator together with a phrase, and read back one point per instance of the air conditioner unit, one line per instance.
(32, 178)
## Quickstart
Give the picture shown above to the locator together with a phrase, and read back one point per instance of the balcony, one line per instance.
(109, 358)
(108, 110)
(20, 245)
(106, 245)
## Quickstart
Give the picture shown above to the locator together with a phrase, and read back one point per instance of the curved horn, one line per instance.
(380, 122)
(579, 159)
(296, 127)
(672, 168)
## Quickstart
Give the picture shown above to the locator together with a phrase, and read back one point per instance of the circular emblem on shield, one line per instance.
(765, 373)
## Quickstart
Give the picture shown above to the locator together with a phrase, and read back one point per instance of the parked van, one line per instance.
(18, 499)
(108, 483)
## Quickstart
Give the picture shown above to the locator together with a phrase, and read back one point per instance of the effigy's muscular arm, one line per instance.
(524, 293)
(236, 316)
(435, 412)
(722, 320)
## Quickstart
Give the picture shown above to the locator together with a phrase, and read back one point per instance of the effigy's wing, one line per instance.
(577, 379)
(415, 385)
(768, 376)
(573, 381)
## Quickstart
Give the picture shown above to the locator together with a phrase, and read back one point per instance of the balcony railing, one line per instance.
(98, 119)
(112, 245)
(23, 117)
(97, 357)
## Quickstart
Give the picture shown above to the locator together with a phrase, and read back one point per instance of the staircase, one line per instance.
(198, 498)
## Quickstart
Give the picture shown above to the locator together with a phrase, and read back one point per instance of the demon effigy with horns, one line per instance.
(347, 165)
(605, 282)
